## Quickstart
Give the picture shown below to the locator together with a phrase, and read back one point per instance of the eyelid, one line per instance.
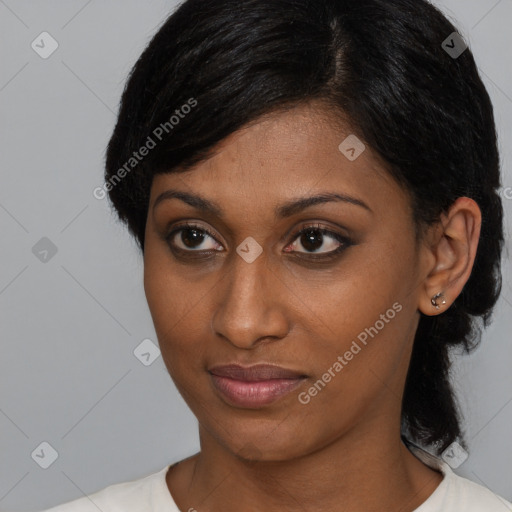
(190, 225)
(344, 240)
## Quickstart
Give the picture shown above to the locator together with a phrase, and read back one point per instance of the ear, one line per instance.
(449, 254)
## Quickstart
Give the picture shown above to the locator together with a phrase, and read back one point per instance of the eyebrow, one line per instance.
(287, 209)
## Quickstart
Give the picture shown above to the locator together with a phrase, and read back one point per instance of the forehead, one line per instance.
(300, 151)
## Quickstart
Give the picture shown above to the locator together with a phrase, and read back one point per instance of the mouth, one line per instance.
(254, 386)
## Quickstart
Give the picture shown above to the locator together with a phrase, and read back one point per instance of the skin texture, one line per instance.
(342, 450)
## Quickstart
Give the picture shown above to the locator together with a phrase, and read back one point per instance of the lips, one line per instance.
(254, 373)
(254, 386)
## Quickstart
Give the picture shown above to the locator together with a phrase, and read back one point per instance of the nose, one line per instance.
(251, 304)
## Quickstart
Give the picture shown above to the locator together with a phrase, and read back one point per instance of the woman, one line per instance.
(313, 185)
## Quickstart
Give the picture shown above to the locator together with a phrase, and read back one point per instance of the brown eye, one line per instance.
(193, 238)
(313, 238)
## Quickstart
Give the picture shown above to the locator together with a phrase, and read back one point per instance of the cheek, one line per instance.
(356, 379)
(364, 317)
(170, 295)
(372, 320)
(176, 310)
(339, 305)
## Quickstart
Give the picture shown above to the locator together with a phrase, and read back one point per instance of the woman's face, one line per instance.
(337, 308)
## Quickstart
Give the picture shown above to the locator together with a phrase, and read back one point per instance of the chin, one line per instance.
(273, 444)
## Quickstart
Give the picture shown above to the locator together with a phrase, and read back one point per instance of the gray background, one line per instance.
(69, 326)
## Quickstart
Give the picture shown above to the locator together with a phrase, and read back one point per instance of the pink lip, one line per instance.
(254, 386)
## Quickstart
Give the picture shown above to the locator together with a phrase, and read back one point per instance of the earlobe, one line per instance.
(454, 252)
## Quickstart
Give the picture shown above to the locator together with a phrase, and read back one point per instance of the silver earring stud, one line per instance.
(434, 300)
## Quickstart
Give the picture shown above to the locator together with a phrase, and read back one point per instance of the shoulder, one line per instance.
(474, 497)
(456, 493)
(143, 494)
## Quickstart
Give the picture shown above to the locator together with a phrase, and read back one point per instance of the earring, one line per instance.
(434, 300)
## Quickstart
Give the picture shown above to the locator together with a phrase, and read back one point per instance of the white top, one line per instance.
(151, 494)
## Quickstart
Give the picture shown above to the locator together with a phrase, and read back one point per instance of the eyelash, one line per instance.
(344, 241)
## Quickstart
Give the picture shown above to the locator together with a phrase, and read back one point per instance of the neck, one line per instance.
(358, 471)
